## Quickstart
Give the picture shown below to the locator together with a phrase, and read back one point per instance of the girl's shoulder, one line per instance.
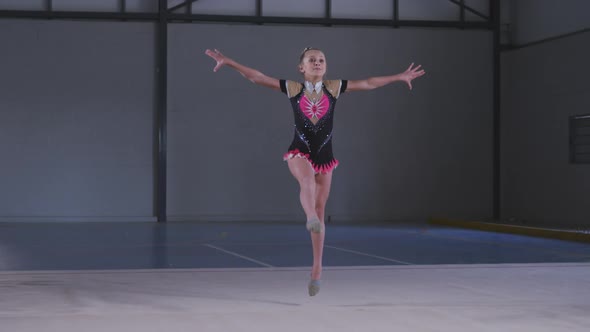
(334, 87)
(292, 88)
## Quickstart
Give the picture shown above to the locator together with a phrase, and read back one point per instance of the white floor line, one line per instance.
(369, 255)
(238, 255)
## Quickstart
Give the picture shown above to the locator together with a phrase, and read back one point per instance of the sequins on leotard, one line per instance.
(314, 116)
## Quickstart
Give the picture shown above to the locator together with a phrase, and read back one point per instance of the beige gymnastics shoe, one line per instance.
(314, 287)
(314, 225)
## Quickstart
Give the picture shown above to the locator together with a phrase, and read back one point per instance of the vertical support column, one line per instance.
(328, 11)
(258, 8)
(572, 139)
(495, 17)
(396, 13)
(462, 11)
(162, 96)
(189, 10)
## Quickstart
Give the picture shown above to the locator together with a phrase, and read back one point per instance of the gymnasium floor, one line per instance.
(253, 277)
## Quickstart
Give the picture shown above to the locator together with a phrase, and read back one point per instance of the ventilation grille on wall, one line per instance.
(580, 139)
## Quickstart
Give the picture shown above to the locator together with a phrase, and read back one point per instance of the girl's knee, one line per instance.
(307, 182)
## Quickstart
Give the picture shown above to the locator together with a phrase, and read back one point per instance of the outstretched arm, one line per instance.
(376, 82)
(251, 74)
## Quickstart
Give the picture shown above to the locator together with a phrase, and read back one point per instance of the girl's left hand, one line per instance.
(411, 73)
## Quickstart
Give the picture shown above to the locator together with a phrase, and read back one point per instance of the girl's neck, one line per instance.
(313, 79)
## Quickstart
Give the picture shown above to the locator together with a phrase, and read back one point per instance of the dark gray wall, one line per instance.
(76, 120)
(77, 108)
(404, 154)
(543, 85)
(534, 20)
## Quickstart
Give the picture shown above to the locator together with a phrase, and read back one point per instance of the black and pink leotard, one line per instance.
(313, 122)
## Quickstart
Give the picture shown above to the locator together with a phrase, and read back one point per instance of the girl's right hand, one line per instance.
(217, 56)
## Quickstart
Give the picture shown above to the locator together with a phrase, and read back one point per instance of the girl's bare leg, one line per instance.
(314, 192)
(323, 184)
(305, 175)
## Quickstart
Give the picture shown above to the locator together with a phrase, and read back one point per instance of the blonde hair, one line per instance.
(305, 51)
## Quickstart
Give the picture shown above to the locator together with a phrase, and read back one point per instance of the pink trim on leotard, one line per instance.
(323, 169)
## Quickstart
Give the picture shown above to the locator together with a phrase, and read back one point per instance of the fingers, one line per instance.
(211, 54)
(412, 73)
(414, 70)
(217, 56)
(214, 54)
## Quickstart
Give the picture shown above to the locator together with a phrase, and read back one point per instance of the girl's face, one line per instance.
(313, 64)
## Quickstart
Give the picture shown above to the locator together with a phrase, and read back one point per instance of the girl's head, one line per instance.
(312, 63)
